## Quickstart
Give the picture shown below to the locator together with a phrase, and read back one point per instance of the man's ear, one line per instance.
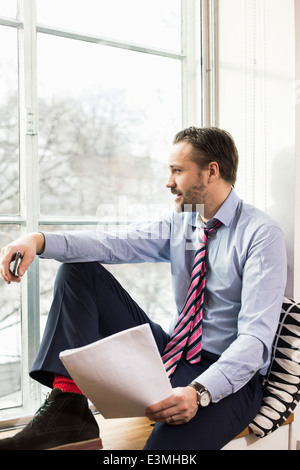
(214, 171)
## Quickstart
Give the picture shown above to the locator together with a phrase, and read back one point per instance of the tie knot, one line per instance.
(214, 226)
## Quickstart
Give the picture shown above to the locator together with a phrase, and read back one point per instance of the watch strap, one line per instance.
(200, 389)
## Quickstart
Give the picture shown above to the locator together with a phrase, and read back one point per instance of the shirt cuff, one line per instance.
(216, 383)
(54, 246)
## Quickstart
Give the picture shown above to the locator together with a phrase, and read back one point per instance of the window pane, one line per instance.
(9, 148)
(149, 284)
(107, 118)
(149, 22)
(10, 334)
(8, 8)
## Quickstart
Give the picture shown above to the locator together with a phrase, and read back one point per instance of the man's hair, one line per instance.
(212, 145)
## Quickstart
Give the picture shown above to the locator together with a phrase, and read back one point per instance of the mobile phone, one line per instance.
(14, 270)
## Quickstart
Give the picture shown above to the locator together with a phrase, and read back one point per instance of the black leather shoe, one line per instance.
(63, 422)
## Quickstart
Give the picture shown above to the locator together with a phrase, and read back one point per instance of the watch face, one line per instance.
(205, 399)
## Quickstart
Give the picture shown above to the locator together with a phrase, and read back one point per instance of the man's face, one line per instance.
(187, 181)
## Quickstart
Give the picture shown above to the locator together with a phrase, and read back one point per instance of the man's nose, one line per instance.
(171, 182)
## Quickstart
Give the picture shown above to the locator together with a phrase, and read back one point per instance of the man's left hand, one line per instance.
(179, 408)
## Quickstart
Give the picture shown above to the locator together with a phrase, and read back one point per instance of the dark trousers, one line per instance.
(90, 304)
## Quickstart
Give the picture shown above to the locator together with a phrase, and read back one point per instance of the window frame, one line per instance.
(198, 108)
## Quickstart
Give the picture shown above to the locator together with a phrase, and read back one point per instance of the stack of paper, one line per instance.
(121, 374)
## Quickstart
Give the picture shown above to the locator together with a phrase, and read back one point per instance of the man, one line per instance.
(217, 388)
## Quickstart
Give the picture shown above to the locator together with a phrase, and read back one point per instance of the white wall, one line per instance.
(297, 154)
(296, 426)
(259, 101)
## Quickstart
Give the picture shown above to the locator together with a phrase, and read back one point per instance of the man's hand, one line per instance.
(179, 408)
(29, 246)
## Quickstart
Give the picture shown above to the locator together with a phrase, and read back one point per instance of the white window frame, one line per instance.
(198, 108)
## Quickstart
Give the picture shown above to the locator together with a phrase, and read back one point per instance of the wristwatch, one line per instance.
(203, 395)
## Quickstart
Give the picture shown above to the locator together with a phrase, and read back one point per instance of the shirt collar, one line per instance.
(226, 212)
(228, 209)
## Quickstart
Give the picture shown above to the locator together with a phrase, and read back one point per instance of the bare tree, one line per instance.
(86, 159)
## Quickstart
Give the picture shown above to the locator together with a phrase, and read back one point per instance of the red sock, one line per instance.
(65, 384)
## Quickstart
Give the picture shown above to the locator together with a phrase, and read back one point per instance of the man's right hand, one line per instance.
(29, 246)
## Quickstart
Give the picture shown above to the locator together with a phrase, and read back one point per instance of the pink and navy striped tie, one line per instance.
(188, 329)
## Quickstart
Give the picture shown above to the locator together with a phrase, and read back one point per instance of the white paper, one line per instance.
(121, 374)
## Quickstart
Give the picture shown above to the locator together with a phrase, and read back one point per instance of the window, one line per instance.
(10, 299)
(8, 8)
(156, 23)
(90, 102)
(9, 149)
(99, 126)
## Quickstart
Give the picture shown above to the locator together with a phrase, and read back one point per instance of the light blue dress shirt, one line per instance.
(246, 278)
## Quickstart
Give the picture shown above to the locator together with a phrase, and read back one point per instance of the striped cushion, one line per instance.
(282, 384)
